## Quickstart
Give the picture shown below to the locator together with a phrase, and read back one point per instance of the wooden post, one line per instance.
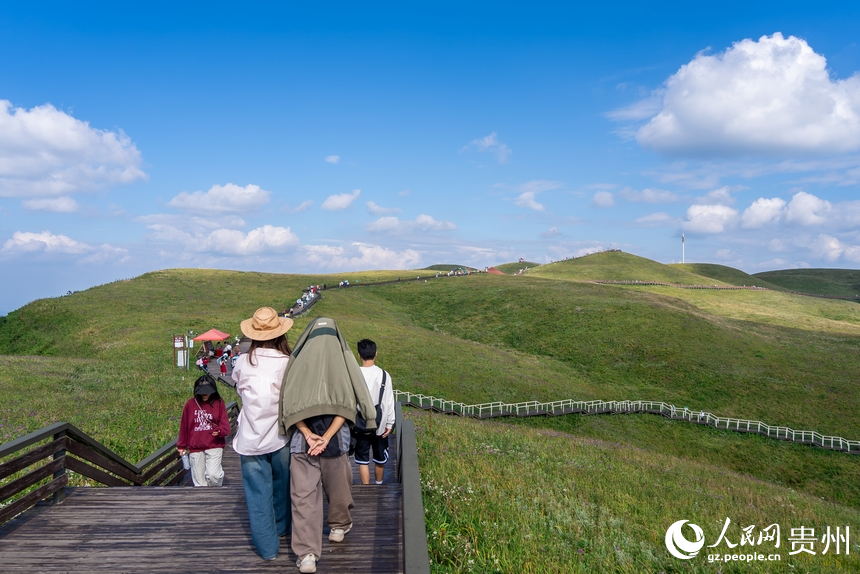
(60, 495)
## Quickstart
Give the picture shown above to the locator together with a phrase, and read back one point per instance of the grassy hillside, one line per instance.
(502, 498)
(104, 364)
(511, 268)
(619, 266)
(839, 282)
(724, 274)
(446, 267)
(770, 307)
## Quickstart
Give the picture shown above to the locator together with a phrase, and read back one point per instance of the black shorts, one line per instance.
(365, 442)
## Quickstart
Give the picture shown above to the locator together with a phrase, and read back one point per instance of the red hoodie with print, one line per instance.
(199, 420)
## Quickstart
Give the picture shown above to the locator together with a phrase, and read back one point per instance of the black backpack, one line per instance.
(361, 422)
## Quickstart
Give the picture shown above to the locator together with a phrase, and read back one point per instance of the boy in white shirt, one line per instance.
(374, 441)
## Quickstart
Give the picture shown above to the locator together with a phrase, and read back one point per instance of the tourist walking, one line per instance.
(322, 387)
(374, 443)
(203, 430)
(264, 452)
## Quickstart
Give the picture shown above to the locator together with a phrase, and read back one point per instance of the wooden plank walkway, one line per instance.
(178, 530)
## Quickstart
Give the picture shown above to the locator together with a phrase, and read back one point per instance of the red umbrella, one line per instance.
(212, 335)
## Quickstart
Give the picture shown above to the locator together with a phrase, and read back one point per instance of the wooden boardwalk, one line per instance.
(194, 530)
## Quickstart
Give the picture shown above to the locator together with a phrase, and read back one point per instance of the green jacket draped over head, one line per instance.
(323, 378)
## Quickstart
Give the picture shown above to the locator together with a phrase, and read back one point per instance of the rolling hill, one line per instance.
(834, 282)
(725, 274)
(511, 268)
(101, 358)
(620, 266)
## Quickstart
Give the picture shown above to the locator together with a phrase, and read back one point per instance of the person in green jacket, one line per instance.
(323, 387)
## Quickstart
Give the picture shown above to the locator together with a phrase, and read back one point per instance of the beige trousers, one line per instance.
(309, 477)
(206, 467)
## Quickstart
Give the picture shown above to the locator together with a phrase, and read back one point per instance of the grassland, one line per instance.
(101, 359)
(511, 268)
(837, 282)
(724, 274)
(618, 266)
(502, 498)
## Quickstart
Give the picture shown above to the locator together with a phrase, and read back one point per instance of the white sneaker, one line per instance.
(337, 534)
(307, 564)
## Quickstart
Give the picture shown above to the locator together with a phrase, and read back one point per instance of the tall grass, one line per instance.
(502, 498)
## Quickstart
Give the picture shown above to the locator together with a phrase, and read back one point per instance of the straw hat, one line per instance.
(265, 325)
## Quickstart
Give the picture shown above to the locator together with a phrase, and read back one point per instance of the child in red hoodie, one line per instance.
(203, 430)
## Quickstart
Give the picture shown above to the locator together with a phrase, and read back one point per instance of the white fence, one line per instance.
(569, 406)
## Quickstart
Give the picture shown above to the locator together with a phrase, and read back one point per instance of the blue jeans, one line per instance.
(266, 478)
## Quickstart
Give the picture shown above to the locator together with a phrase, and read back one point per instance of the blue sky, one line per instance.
(310, 137)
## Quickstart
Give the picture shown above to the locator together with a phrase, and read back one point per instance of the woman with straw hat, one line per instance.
(265, 454)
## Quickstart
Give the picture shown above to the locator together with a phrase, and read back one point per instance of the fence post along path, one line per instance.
(570, 406)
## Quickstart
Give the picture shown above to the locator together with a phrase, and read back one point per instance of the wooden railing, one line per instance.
(570, 406)
(679, 286)
(416, 558)
(68, 448)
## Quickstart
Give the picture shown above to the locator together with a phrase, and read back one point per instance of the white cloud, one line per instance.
(332, 159)
(490, 143)
(222, 241)
(340, 201)
(229, 198)
(762, 212)
(303, 206)
(360, 256)
(648, 195)
(807, 209)
(26, 242)
(721, 196)
(709, 218)
(773, 95)
(530, 189)
(45, 153)
(603, 199)
(395, 225)
(827, 247)
(550, 233)
(57, 205)
(29, 243)
(379, 210)
(191, 224)
(527, 200)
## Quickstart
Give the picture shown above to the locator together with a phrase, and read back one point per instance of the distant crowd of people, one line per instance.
(309, 296)
(222, 353)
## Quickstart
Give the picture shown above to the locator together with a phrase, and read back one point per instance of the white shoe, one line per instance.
(337, 534)
(307, 564)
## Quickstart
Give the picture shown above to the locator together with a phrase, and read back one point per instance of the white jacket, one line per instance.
(259, 387)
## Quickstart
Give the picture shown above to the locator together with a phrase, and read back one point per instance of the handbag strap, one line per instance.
(382, 388)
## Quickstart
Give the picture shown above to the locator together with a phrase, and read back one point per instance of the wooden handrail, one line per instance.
(416, 558)
(571, 406)
(88, 458)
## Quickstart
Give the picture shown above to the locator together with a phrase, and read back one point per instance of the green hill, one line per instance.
(512, 268)
(101, 359)
(619, 266)
(447, 267)
(725, 274)
(838, 282)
